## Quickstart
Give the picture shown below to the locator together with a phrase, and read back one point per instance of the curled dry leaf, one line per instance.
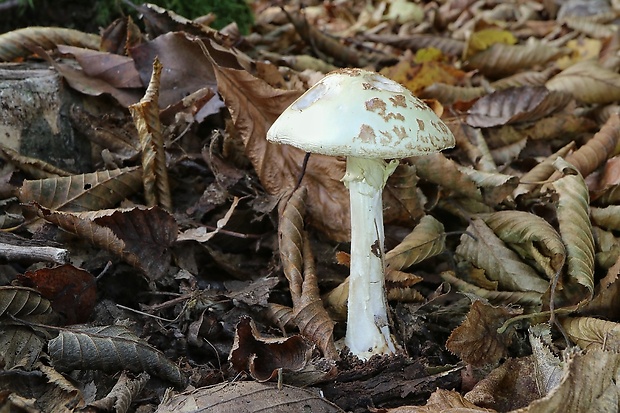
(71, 290)
(533, 237)
(263, 357)
(20, 347)
(576, 232)
(146, 118)
(254, 106)
(513, 105)
(24, 303)
(588, 81)
(589, 384)
(248, 397)
(36, 168)
(116, 69)
(426, 240)
(548, 367)
(122, 395)
(608, 217)
(503, 59)
(444, 401)
(487, 251)
(110, 349)
(477, 341)
(404, 202)
(530, 301)
(299, 268)
(589, 333)
(19, 43)
(142, 237)
(98, 190)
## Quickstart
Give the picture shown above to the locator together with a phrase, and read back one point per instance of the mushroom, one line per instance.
(367, 118)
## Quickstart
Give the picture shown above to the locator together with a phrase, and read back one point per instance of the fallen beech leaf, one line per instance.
(502, 59)
(589, 384)
(589, 333)
(576, 232)
(263, 357)
(19, 43)
(122, 395)
(519, 104)
(110, 349)
(248, 397)
(426, 240)
(476, 341)
(444, 401)
(22, 302)
(588, 81)
(71, 290)
(548, 367)
(36, 168)
(534, 237)
(254, 106)
(97, 190)
(299, 268)
(119, 71)
(487, 251)
(146, 118)
(20, 347)
(142, 237)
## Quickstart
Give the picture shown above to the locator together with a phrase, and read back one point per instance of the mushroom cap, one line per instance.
(355, 112)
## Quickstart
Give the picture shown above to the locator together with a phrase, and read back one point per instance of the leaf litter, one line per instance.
(203, 255)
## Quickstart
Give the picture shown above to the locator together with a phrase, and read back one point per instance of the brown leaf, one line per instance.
(23, 302)
(110, 349)
(254, 106)
(503, 59)
(589, 333)
(97, 190)
(588, 81)
(513, 105)
(249, 396)
(299, 268)
(501, 264)
(146, 118)
(19, 43)
(71, 290)
(141, 237)
(20, 347)
(33, 167)
(477, 341)
(263, 357)
(123, 394)
(119, 71)
(426, 240)
(444, 401)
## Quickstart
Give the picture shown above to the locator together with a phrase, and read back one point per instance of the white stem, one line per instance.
(367, 322)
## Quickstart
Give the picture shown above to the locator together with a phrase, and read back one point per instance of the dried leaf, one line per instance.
(589, 384)
(249, 397)
(588, 81)
(502, 59)
(299, 268)
(119, 71)
(263, 357)
(141, 237)
(501, 264)
(476, 341)
(71, 290)
(31, 166)
(110, 349)
(513, 105)
(98, 190)
(426, 240)
(202, 234)
(549, 368)
(444, 401)
(403, 201)
(576, 231)
(254, 106)
(22, 302)
(531, 233)
(123, 394)
(589, 333)
(19, 43)
(146, 118)
(20, 347)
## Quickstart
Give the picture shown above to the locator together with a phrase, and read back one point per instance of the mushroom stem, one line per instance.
(367, 321)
